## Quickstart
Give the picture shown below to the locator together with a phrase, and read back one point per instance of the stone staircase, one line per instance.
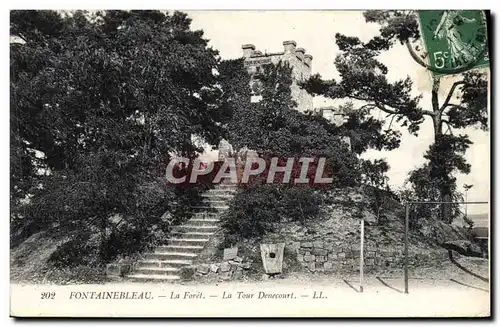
(186, 240)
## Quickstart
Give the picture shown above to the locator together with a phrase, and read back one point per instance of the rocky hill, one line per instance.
(331, 243)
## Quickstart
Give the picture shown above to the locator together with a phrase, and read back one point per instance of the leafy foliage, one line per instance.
(399, 25)
(445, 157)
(374, 172)
(257, 209)
(103, 98)
(473, 103)
(424, 188)
(365, 131)
(363, 81)
(364, 78)
(273, 127)
(234, 81)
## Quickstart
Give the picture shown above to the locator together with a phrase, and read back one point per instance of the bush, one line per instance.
(256, 209)
(300, 204)
(75, 252)
(101, 238)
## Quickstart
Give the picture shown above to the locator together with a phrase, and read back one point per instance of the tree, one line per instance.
(273, 127)
(106, 98)
(235, 97)
(363, 79)
(374, 172)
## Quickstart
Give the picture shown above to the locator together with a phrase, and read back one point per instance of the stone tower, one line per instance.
(297, 59)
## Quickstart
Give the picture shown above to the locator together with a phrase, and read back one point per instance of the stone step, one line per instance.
(192, 235)
(165, 256)
(180, 248)
(223, 189)
(219, 191)
(203, 222)
(225, 184)
(205, 215)
(210, 202)
(152, 264)
(159, 278)
(196, 228)
(187, 241)
(156, 271)
(170, 263)
(230, 190)
(225, 194)
(213, 213)
(210, 208)
(217, 197)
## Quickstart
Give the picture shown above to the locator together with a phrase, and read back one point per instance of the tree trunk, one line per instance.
(103, 248)
(444, 191)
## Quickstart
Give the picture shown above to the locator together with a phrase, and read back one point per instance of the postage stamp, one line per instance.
(249, 163)
(456, 40)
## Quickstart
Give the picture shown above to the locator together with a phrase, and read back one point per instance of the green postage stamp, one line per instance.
(456, 40)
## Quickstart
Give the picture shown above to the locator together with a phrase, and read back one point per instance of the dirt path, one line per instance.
(274, 298)
(459, 288)
(295, 296)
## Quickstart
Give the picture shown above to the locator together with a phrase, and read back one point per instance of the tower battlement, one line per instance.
(297, 58)
(289, 50)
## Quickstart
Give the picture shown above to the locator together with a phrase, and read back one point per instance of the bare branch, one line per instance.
(444, 112)
(382, 107)
(390, 124)
(449, 129)
(428, 113)
(448, 125)
(368, 107)
(456, 106)
(115, 226)
(435, 100)
(450, 94)
(22, 37)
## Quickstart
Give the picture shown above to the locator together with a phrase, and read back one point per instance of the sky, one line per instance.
(315, 32)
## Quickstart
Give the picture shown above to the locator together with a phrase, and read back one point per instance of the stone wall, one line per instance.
(320, 247)
(235, 269)
(337, 257)
(332, 243)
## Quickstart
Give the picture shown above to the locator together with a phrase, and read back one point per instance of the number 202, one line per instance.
(48, 295)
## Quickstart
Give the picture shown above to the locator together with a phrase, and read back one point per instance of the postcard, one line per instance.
(232, 163)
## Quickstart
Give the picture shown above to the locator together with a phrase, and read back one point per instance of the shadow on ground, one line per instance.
(352, 286)
(383, 282)
(474, 287)
(450, 254)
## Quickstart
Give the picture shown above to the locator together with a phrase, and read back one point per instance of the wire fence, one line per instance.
(483, 237)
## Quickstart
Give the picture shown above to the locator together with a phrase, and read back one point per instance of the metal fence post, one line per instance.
(361, 250)
(407, 225)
